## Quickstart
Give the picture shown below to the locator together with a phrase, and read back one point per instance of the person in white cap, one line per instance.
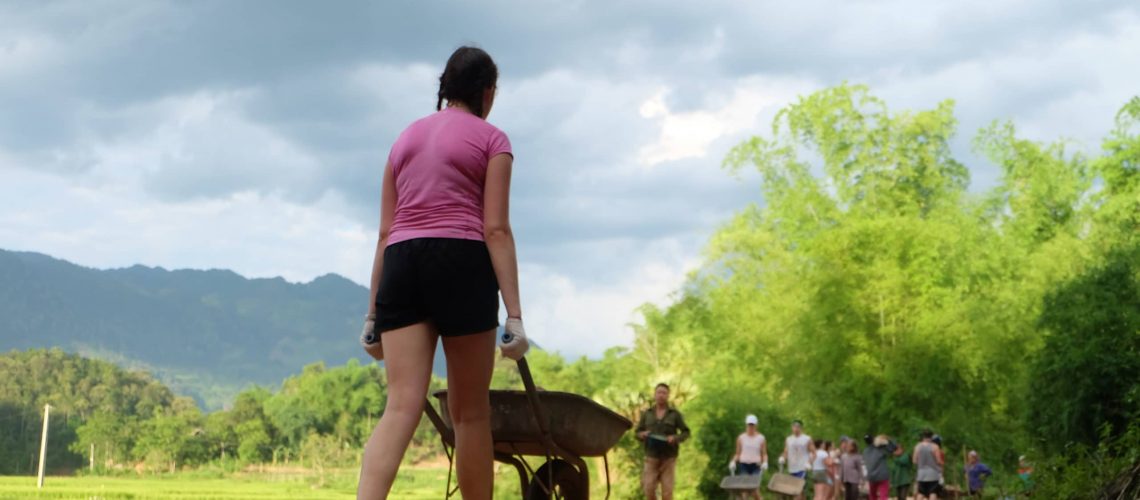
(798, 451)
(751, 458)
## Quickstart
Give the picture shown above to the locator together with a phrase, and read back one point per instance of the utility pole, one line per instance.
(91, 467)
(43, 445)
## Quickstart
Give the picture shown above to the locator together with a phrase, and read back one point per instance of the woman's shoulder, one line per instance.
(419, 124)
(472, 122)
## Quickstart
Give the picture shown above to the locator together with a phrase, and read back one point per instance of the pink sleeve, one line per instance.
(498, 144)
(396, 153)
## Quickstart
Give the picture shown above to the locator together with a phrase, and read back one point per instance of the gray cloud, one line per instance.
(299, 101)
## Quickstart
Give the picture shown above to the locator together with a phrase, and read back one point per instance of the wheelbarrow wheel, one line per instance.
(568, 484)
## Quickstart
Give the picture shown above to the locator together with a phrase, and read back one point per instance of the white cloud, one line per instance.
(577, 316)
(23, 55)
(689, 134)
(258, 236)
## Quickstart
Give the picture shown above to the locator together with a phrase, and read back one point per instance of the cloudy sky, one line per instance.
(251, 135)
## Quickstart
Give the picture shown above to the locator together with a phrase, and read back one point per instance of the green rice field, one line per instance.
(412, 483)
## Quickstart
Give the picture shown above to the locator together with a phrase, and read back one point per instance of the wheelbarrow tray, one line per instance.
(786, 484)
(577, 424)
(740, 483)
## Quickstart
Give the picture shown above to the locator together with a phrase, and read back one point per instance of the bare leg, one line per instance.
(408, 356)
(470, 361)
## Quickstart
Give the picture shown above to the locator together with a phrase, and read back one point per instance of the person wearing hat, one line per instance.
(977, 472)
(875, 458)
(798, 451)
(751, 458)
(937, 439)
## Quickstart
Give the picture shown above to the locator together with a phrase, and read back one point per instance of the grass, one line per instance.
(425, 481)
(417, 483)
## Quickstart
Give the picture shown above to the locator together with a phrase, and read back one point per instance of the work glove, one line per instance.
(732, 467)
(783, 461)
(370, 339)
(514, 341)
(764, 466)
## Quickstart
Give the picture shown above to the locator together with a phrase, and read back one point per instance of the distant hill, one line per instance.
(206, 334)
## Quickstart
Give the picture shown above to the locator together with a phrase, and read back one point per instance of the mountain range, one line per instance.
(206, 334)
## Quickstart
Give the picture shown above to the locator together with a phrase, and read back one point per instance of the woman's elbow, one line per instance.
(497, 232)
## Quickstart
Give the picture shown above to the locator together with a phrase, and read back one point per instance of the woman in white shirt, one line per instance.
(821, 466)
(751, 458)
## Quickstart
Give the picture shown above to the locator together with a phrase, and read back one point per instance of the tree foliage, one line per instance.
(868, 289)
(1091, 358)
(872, 292)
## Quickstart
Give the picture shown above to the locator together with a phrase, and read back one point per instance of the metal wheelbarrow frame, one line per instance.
(562, 427)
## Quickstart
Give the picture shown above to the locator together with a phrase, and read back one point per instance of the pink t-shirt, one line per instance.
(440, 164)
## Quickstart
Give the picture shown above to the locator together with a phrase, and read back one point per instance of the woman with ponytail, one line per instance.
(445, 252)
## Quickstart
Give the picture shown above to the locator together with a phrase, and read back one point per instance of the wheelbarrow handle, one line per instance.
(447, 435)
(532, 397)
(540, 416)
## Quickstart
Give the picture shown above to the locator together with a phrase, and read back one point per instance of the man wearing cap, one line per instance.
(751, 458)
(798, 450)
(662, 429)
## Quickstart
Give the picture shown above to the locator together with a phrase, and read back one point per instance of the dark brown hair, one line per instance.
(469, 72)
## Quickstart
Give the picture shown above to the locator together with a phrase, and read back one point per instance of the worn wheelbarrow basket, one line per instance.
(559, 426)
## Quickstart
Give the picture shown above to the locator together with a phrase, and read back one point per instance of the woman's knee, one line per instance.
(408, 405)
(469, 410)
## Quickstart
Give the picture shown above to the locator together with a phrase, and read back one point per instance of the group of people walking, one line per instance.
(883, 469)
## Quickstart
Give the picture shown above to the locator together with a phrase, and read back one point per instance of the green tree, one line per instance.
(1087, 378)
(342, 401)
(112, 436)
(871, 292)
(255, 445)
(173, 437)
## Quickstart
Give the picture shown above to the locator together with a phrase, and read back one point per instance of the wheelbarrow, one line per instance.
(561, 427)
(786, 485)
(740, 486)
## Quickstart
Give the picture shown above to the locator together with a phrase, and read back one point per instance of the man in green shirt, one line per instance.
(662, 429)
(902, 473)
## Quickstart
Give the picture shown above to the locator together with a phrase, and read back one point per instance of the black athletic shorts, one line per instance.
(448, 282)
(927, 488)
